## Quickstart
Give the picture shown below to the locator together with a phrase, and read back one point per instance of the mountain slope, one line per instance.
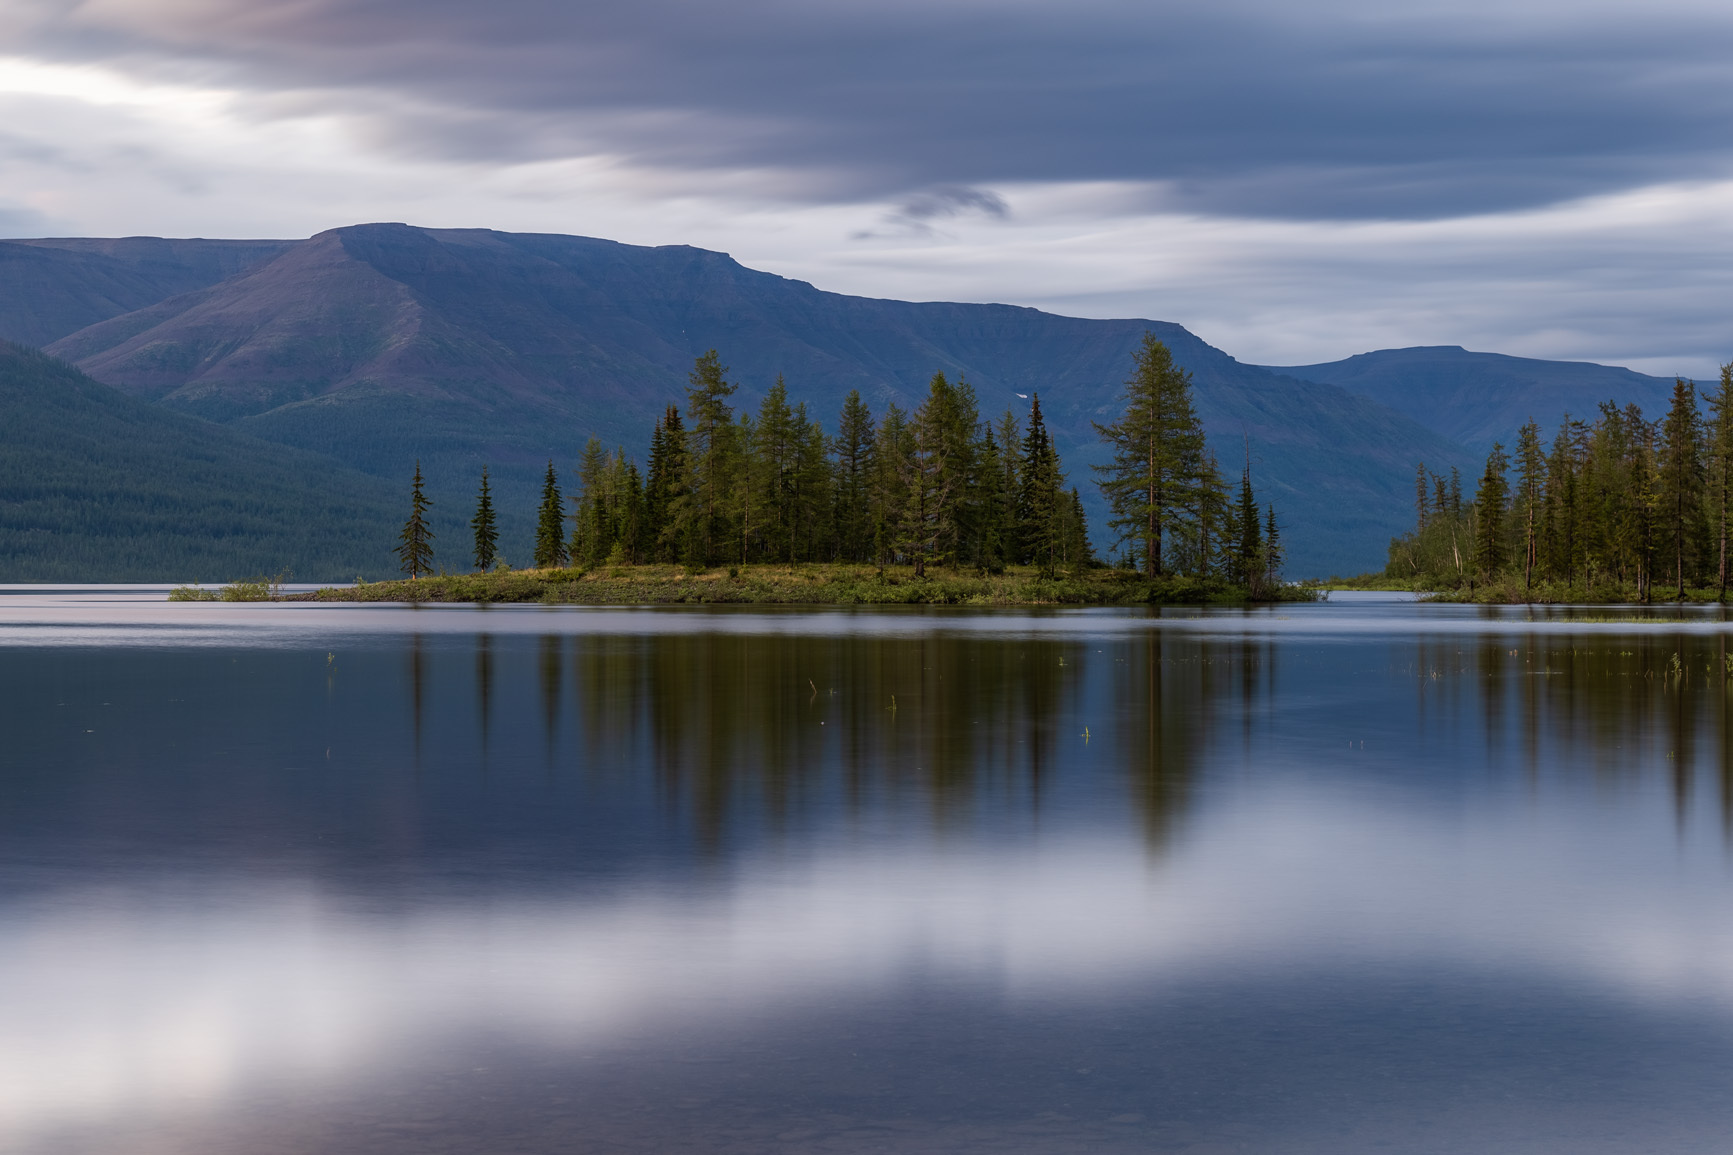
(1479, 398)
(378, 344)
(98, 486)
(50, 288)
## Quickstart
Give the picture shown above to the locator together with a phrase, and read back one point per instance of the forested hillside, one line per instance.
(50, 288)
(98, 486)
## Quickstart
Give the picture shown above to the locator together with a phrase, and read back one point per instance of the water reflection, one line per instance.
(1615, 708)
(1169, 885)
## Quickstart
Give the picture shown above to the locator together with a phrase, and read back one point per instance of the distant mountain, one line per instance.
(378, 344)
(50, 288)
(98, 486)
(1480, 398)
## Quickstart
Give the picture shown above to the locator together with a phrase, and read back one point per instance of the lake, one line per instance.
(1363, 875)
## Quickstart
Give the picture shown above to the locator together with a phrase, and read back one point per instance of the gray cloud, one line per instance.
(1331, 110)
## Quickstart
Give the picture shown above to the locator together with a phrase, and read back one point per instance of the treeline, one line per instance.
(1618, 504)
(939, 486)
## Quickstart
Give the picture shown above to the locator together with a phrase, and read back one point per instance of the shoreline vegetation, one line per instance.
(1621, 510)
(940, 506)
(814, 584)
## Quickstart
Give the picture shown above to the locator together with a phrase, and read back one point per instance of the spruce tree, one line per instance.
(1273, 553)
(1248, 568)
(551, 525)
(415, 543)
(1153, 483)
(486, 533)
(1489, 512)
(1039, 530)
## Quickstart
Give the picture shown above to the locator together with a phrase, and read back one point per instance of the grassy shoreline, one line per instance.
(1510, 591)
(814, 584)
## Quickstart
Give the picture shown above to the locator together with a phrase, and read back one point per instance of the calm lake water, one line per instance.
(1359, 876)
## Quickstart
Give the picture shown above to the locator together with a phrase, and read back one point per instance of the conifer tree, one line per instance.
(1680, 484)
(892, 463)
(812, 483)
(486, 533)
(1008, 444)
(1039, 531)
(771, 476)
(1720, 472)
(591, 538)
(1274, 556)
(415, 543)
(1489, 511)
(551, 524)
(1153, 482)
(1530, 495)
(1563, 535)
(1248, 557)
(853, 448)
(669, 497)
(709, 441)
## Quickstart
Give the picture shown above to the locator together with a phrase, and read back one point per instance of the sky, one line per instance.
(1294, 182)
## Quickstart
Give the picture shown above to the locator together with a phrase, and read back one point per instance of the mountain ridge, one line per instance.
(1478, 398)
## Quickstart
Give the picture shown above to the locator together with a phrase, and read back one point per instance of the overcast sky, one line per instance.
(1294, 182)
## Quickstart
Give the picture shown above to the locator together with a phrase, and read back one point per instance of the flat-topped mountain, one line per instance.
(1479, 398)
(378, 344)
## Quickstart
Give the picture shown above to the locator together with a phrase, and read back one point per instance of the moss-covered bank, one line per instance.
(845, 585)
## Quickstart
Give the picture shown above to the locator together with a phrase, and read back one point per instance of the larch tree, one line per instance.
(853, 449)
(1152, 483)
(709, 440)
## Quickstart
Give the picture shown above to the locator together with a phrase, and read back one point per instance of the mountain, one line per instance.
(99, 486)
(50, 288)
(380, 344)
(1480, 398)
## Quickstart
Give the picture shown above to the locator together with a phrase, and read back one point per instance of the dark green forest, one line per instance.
(96, 486)
(1617, 508)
